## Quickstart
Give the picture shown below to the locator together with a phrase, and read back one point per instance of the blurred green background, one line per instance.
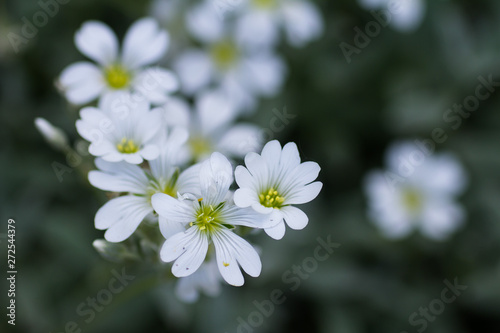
(399, 86)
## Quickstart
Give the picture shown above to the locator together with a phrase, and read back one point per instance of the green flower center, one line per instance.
(117, 76)
(271, 198)
(224, 54)
(412, 200)
(200, 147)
(161, 185)
(208, 217)
(127, 146)
(265, 4)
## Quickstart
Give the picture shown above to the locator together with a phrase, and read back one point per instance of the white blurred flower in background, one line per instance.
(145, 43)
(211, 127)
(224, 63)
(403, 15)
(417, 192)
(259, 22)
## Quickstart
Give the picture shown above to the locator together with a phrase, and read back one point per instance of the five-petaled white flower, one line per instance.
(225, 63)
(209, 219)
(143, 45)
(211, 127)
(122, 128)
(121, 216)
(417, 191)
(274, 181)
(259, 22)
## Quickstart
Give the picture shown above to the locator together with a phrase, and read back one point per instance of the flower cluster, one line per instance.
(235, 44)
(168, 163)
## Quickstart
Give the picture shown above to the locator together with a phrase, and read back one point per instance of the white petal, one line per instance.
(214, 112)
(232, 250)
(98, 42)
(302, 175)
(144, 44)
(204, 23)
(263, 74)
(189, 181)
(111, 156)
(240, 140)
(169, 228)
(172, 209)
(440, 218)
(277, 232)
(246, 217)
(189, 248)
(257, 29)
(303, 194)
(302, 22)
(150, 152)
(245, 197)
(272, 155)
(123, 178)
(176, 112)
(243, 178)
(194, 69)
(82, 82)
(216, 176)
(156, 84)
(94, 126)
(148, 125)
(258, 169)
(294, 217)
(121, 216)
(134, 158)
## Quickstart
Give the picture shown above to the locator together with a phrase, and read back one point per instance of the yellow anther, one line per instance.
(200, 199)
(225, 264)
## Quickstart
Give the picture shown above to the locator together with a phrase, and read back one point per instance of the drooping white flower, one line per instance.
(123, 128)
(206, 279)
(53, 135)
(211, 127)
(416, 192)
(121, 216)
(143, 45)
(403, 15)
(209, 219)
(225, 64)
(273, 182)
(259, 22)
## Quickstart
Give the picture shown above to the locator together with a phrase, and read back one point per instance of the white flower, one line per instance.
(416, 191)
(53, 135)
(222, 62)
(206, 279)
(143, 45)
(211, 127)
(121, 216)
(260, 20)
(210, 219)
(122, 128)
(274, 181)
(403, 15)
